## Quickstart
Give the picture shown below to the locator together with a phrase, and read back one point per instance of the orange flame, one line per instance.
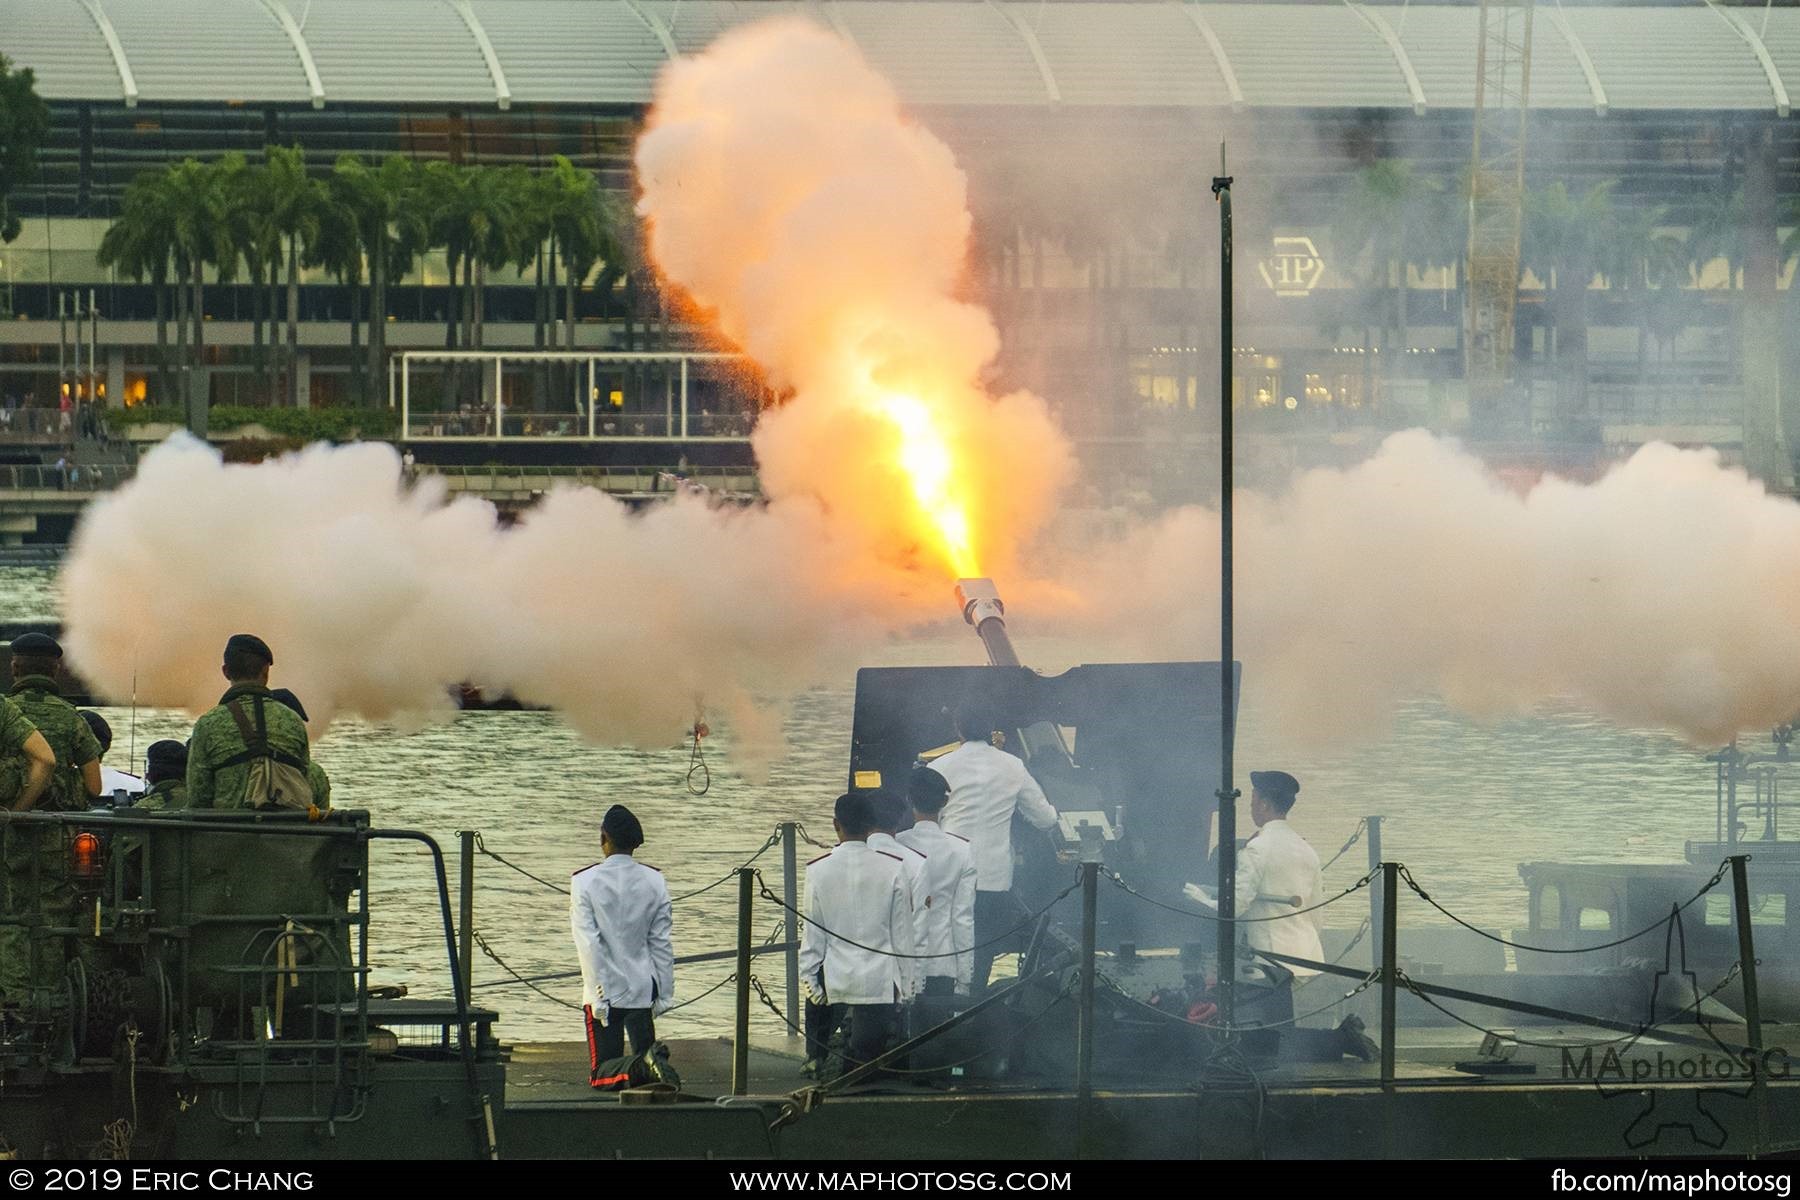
(929, 463)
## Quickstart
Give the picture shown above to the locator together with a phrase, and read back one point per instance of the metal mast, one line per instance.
(1227, 793)
(1496, 204)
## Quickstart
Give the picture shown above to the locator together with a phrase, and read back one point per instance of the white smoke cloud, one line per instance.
(1665, 594)
(787, 191)
(377, 598)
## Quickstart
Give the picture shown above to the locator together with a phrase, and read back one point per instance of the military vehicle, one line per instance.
(200, 988)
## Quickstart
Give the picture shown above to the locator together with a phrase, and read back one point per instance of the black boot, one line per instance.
(1357, 1043)
(656, 1063)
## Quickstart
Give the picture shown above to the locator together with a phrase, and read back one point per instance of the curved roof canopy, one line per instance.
(1699, 57)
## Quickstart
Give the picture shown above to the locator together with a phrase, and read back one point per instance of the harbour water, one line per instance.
(1464, 804)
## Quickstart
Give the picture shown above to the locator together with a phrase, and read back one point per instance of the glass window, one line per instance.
(1766, 908)
(1549, 907)
(1597, 920)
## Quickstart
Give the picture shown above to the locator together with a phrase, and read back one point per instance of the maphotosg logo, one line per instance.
(1609, 1066)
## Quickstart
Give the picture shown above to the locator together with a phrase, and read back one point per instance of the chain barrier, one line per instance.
(1710, 884)
(1200, 916)
(518, 978)
(1361, 933)
(506, 862)
(1355, 837)
(696, 999)
(1407, 982)
(762, 993)
(763, 887)
(809, 839)
(774, 840)
(507, 967)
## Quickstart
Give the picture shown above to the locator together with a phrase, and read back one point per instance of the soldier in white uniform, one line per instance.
(891, 813)
(858, 918)
(987, 786)
(950, 885)
(620, 917)
(1278, 872)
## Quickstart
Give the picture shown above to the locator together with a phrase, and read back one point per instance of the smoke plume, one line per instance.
(828, 236)
(1666, 594)
(787, 192)
(377, 597)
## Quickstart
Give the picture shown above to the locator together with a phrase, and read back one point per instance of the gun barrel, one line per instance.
(983, 609)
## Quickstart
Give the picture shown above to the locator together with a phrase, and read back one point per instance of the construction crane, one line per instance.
(1496, 210)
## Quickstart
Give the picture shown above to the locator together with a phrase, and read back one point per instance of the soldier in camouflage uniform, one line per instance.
(166, 773)
(36, 687)
(26, 766)
(218, 774)
(315, 774)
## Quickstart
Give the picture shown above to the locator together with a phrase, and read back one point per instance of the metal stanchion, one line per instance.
(1084, 1018)
(1372, 836)
(790, 895)
(740, 1038)
(1390, 962)
(1753, 1035)
(466, 917)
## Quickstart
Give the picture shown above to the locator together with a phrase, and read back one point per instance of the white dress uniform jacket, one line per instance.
(918, 894)
(987, 786)
(860, 894)
(620, 916)
(1273, 868)
(950, 917)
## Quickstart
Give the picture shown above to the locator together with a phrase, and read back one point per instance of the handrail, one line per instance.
(681, 960)
(484, 1118)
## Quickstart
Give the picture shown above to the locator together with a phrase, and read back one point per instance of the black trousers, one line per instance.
(872, 1029)
(606, 1040)
(939, 985)
(995, 914)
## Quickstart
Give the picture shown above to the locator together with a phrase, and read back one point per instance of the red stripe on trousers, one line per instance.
(587, 1012)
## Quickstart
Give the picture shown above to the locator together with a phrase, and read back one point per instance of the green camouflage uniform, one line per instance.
(321, 783)
(217, 740)
(18, 846)
(171, 795)
(73, 742)
(71, 739)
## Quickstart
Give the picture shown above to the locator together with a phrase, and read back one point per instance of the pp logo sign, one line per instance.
(1293, 267)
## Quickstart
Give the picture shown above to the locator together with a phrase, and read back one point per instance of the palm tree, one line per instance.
(200, 239)
(293, 202)
(502, 196)
(588, 226)
(257, 241)
(1392, 219)
(1566, 240)
(337, 246)
(139, 244)
(1649, 268)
